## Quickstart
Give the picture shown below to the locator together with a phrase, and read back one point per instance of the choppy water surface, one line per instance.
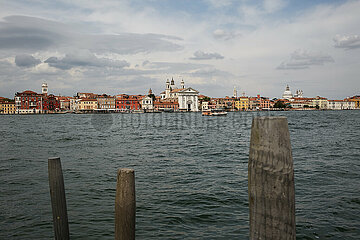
(191, 173)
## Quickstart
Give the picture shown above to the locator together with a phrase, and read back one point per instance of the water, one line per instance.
(191, 173)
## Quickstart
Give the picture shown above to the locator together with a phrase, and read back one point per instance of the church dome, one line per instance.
(287, 93)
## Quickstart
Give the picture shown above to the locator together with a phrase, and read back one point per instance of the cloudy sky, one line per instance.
(128, 46)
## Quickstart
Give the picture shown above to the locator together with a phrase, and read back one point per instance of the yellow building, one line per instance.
(8, 108)
(242, 103)
(355, 99)
(86, 104)
(319, 102)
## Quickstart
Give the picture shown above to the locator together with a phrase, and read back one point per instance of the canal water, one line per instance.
(191, 173)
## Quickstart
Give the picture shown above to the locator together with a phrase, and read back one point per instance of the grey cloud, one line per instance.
(200, 55)
(25, 60)
(30, 33)
(84, 59)
(301, 59)
(221, 34)
(347, 42)
(173, 67)
(209, 72)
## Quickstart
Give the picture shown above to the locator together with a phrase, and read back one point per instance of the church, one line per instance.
(187, 98)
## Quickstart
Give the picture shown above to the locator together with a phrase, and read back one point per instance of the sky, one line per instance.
(129, 46)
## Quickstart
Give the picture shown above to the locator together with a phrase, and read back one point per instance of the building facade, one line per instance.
(7, 106)
(242, 104)
(106, 102)
(87, 105)
(319, 102)
(188, 100)
(128, 102)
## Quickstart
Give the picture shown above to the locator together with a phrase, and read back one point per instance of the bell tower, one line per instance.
(167, 90)
(44, 88)
(235, 92)
(182, 84)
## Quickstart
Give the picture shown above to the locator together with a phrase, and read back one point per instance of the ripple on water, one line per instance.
(191, 174)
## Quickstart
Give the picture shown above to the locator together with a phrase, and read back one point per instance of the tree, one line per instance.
(279, 104)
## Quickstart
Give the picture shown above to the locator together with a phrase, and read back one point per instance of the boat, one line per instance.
(214, 112)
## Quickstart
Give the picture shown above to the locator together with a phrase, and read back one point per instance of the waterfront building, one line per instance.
(202, 99)
(340, 105)
(162, 105)
(50, 104)
(7, 106)
(86, 95)
(64, 103)
(219, 103)
(128, 102)
(242, 104)
(29, 102)
(187, 98)
(147, 103)
(356, 100)
(74, 104)
(106, 102)
(319, 102)
(301, 102)
(259, 103)
(287, 93)
(229, 103)
(204, 106)
(87, 105)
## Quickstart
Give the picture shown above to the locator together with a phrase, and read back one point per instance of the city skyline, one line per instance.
(131, 46)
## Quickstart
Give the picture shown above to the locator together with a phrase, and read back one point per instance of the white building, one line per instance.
(340, 104)
(287, 93)
(186, 97)
(147, 102)
(298, 94)
(188, 100)
(74, 104)
(204, 106)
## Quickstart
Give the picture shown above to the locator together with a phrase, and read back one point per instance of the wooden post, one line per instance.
(58, 200)
(125, 205)
(271, 180)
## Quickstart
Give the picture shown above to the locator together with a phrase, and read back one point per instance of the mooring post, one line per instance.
(125, 205)
(58, 200)
(271, 180)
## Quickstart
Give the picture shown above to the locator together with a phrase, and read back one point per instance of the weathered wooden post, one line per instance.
(58, 200)
(271, 180)
(125, 206)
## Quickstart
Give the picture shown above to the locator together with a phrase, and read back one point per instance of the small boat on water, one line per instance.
(214, 112)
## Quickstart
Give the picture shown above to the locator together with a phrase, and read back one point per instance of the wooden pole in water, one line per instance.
(125, 205)
(271, 180)
(58, 200)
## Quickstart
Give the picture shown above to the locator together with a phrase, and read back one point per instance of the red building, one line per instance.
(166, 105)
(260, 103)
(128, 102)
(32, 102)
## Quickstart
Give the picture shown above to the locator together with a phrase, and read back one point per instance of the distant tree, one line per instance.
(204, 99)
(279, 104)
